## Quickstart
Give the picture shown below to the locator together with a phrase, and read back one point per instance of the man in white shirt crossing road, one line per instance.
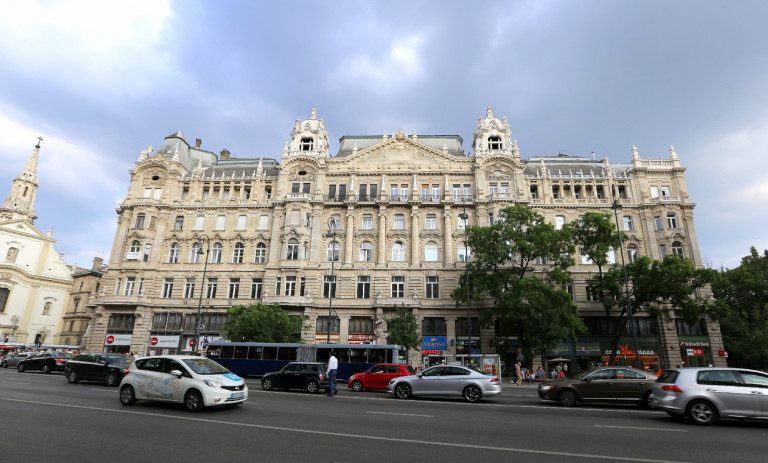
(333, 365)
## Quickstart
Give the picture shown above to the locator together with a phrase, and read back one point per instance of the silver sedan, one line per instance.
(446, 380)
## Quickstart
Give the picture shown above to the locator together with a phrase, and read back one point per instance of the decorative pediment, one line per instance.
(401, 153)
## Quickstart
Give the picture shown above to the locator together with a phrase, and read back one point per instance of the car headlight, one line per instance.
(545, 387)
(212, 383)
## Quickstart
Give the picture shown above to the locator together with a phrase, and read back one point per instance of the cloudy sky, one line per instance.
(102, 80)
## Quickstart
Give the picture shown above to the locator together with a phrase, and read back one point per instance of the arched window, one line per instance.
(494, 143)
(366, 252)
(632, 253)
(238, 253)
(677, 248)
(261, 253)
(398, 252)
(194, 253)
(333, 251)
(216, 254)
(135, 246)
(173, 254)
(430, 252)
(292, 253)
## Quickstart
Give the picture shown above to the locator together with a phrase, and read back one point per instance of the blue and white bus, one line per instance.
(259, 358)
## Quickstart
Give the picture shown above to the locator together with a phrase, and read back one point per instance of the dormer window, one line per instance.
(494, 143)
(307, 144)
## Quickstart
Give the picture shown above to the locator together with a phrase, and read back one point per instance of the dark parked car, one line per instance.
(308, 376)
(378, 376)
(98, 366)
(12, 360)
(605, 384)
(45, 362)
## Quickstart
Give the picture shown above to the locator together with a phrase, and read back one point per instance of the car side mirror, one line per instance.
(176, 373)
(586, 379)
(419, 375)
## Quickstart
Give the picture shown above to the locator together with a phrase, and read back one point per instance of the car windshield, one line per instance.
(118, 358)
(204, 366)
(64, 355)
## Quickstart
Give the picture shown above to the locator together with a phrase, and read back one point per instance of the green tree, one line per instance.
(403, 329)
(745, 328)
(263, 323)
(531, 305)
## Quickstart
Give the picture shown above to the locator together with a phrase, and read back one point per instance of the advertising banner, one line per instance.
(118, 339)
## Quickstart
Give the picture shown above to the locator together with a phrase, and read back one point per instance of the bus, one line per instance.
(260, 358)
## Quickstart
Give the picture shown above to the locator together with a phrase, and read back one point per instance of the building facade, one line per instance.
(343, 239)
(34, 280)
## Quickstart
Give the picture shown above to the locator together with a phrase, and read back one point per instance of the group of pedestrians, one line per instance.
(558, 371)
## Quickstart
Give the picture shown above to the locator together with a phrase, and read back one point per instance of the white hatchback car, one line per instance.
(197, 382)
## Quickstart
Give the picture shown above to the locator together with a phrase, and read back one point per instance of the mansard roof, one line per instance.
(571, 166)
(241, 168)
(452, 143)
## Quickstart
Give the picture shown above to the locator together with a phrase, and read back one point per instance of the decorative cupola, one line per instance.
(493, 136)
(308, 137)
(20, 203)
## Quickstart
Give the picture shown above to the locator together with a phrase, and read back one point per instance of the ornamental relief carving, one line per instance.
(435, 234)
(367, 234)
(398, 235)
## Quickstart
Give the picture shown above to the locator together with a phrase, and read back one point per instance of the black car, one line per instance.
(45, 362)
(308, 376)
(98, 366)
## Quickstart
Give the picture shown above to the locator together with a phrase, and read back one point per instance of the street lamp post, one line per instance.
(202, 284)
(332, 283)
(616, 206)
(465, 218)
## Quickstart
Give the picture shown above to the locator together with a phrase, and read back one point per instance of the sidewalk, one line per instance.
(510, 383)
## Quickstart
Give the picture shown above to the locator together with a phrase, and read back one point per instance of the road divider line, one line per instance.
(400, 414)
(334, 434)
(641, 429)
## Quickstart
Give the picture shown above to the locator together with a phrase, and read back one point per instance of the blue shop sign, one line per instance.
(434, 343)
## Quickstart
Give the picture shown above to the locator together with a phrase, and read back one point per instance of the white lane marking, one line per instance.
(642, 429)
(103, 390)
(335, 434)
(400, 414)
(13, 382)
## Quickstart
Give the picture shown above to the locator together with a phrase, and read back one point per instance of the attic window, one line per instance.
(494, 143)
(307, 144)
(155, 177)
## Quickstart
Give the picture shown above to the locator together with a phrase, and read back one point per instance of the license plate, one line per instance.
(235, 396)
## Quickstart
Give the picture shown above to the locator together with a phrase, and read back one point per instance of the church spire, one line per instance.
(20, 203)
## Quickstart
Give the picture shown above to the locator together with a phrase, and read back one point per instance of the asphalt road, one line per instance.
(45, 419)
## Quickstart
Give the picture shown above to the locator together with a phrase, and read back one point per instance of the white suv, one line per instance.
(197, 382)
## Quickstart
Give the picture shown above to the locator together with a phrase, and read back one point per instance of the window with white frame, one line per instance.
(493, 188)
(432, 287)
(261, 253)
(167, 290)
(200, 222)
(241, 222)
(140, 221)
(628, 224)
(336, 221)
(463, 222)
(464, 253)
(292, 252)
(173, 254)
(135, 246)
(611, 256)
(189, 288)
(147, 251)
(194, 253)
(179, 224)
(366, 252)
(118, 284)
(456, 191)
(263, 222)
(398, 252)
(430, 222)
(430, 251)
(256, 284)
(306, 144)
(504, 189)
(220, 222)
(398, 286)
(234, 288)
(399, 223)
(404, 192)
(494, 143)
(654, 192)
(559, 222)
(671, 220)
(632, 253)
(367, 222)
(278, 286)
(435, 192)
(329, 286)
(238, 253)
(290, 286)
(666, 192)
(210, 290)
(130, 283)
(216, 253)
(158, 193)
(657, 220)
(593, 294)
(677, 248)
(663, 248)
(333, 251)
(363, 287)
(147, 192)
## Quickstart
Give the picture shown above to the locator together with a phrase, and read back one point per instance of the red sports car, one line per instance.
(378, 376)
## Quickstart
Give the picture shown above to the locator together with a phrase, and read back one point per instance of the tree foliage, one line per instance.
(403, 329)
(263, 323)
(532, 305)
(745, 328)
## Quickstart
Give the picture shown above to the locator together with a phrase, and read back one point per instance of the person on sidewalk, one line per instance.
(518, 374)
(333, 365)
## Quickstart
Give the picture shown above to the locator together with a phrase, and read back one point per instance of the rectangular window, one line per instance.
(671, 220)
(210, 291)
(430, 222)
(342, 192)
(331, 191)
(263, 222)
(329, 286)
(130, 282)
(189, 288)
(326, 325)
(398, 286)
(241, 222)
(493, 188)
(290, 286)
(433, 288)
(657, 219)
(559, 222)
(434, 327)
(534, 192)
(463, 222)
(399, 222)
(568, 288)
(504, 189)
(295, 187)
(117, 286)
(456, 191)
(425, 192)
(167, 288)
(147, 192)
(666, 192)
(403, 192)
(663, 248)
(654, 192)
(179, 225)
(393, 192)
(256, 288)
(464, 254)
(206, 193)
(220, 222)
(200, 222)
(593, 295)
(367, 222)
(467, 192)
(234, 288)
(147, 249)
(555, 191)
(302, 285)
(360, 325)
(363, 287)
(140, 221)
(158, 193)
(490, 219)
(278, 286)
(628, 225)
(374, 191)
(362, 192)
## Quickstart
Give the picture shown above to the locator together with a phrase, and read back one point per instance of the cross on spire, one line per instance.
(39, 139)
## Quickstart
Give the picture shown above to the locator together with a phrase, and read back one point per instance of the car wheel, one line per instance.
(193, 401)
(567, 398)
(403, 391)
(73, 377)
(472, 394)
(313, 386)
(645, 402)
(112, 380)
(357, 386)
(267, 384)
(4, 364)
(21, 367)
(702, 412)
(127, 396)
(46, 369)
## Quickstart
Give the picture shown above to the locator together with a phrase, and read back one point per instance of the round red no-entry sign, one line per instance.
(153, 341)
(110, 339)
(191, 343)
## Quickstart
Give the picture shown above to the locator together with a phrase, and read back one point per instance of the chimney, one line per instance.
(224, 154)
(97, 263)
(198, 142)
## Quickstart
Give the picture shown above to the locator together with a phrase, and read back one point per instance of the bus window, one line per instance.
(357, 355)
(254, 353)
(241, 352)
(375, 356)
(226, 352)
(270, 353)
(287, 353)
(214, 353)
(322, 354)
(389, 356)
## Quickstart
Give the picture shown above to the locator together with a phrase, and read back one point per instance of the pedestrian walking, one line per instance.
(518, 374)
(333, 365)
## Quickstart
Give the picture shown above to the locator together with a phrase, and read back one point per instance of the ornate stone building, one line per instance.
(376, 225)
